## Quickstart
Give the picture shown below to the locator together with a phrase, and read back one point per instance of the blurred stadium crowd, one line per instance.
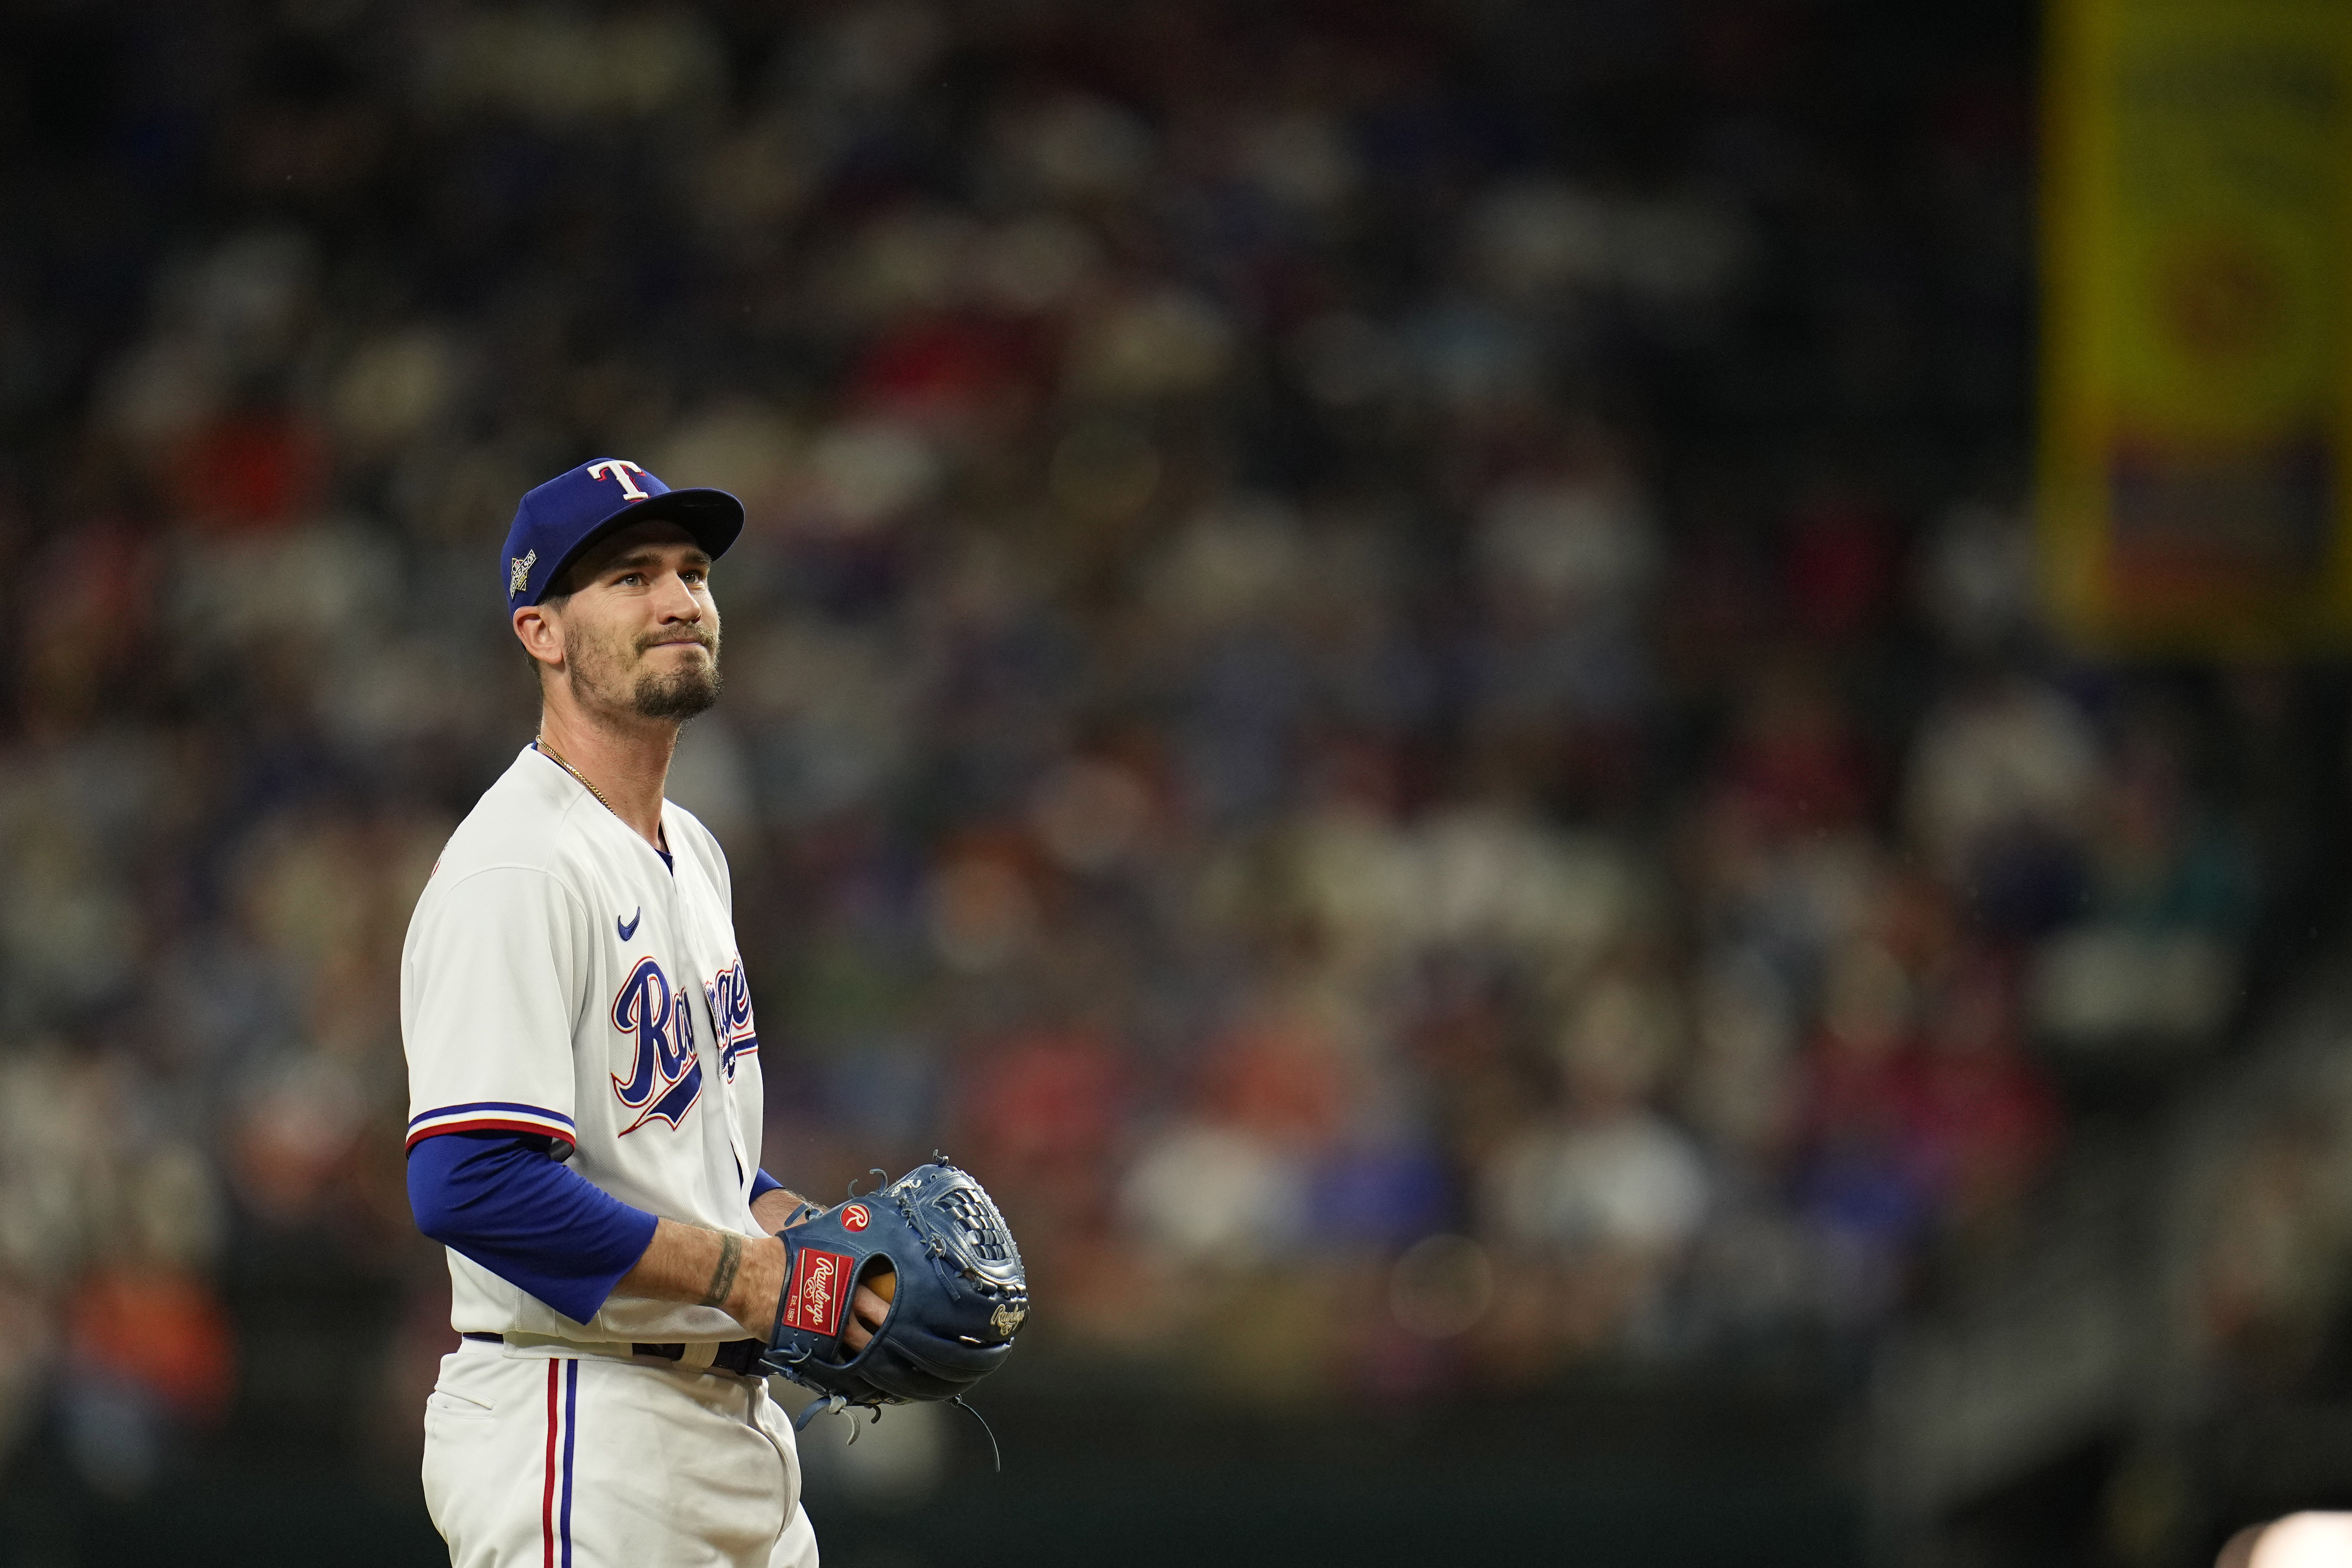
(1384, 663)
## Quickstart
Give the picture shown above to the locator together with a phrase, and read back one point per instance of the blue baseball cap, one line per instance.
(570, 512)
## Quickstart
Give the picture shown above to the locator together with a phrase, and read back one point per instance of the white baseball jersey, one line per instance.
(560, 979)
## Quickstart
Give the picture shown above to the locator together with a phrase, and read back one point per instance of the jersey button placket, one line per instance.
(716, 1083)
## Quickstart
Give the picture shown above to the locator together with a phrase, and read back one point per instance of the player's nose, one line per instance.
(676, 600)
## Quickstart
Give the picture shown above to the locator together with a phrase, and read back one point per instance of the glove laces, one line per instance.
(841, 1404)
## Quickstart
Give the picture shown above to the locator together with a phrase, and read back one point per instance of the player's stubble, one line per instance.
(603, 677)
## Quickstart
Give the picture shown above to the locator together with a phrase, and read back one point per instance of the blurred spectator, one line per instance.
(1795, 766)
(1742, 1087)
(1213, 1194)
(2000, 791)
(2156, 961)
(1863, 1183)
(1598, 1203)
(2272, 1284)
(1985, 1120)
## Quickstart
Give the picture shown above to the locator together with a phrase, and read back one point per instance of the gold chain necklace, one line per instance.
(553, 755)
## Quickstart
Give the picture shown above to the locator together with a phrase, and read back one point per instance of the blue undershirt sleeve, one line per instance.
(763, 1183)
(499, 1199)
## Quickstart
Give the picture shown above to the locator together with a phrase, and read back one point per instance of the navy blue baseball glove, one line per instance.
(934, 1244)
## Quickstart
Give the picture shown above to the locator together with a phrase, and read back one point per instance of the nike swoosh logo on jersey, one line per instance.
(628, 928)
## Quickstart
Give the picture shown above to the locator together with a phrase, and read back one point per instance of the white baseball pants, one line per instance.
(539, 1461)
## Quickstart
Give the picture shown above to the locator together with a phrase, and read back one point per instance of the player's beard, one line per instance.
(676, 695)
(682, 693)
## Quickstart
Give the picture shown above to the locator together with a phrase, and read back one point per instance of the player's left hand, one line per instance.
(866, 1310)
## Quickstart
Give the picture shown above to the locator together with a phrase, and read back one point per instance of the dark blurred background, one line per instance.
(1387, 665)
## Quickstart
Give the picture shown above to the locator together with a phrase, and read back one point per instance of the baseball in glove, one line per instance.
(932, 1244)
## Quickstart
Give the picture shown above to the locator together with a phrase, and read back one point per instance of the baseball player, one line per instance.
(584, 1089)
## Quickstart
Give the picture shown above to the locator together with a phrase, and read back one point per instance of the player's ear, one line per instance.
(540, 634)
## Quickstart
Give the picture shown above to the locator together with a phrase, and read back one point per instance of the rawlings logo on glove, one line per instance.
(814, 1298)
(934, 1243)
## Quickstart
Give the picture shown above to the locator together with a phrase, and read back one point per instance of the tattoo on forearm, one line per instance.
(722, 1278)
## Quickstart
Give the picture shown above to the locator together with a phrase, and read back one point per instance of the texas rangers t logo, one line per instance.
(664, 1074)
(620, 468)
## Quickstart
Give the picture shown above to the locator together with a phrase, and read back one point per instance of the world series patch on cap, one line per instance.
(570, 512)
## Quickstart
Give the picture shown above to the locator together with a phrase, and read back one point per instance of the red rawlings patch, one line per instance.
(819, 1291)
(856, 1216)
